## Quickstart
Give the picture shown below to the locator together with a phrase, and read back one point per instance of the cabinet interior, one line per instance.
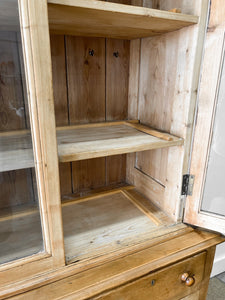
(122, 113)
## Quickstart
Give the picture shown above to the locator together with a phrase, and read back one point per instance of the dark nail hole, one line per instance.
(116, 54)
(91, 52)
(153, 282)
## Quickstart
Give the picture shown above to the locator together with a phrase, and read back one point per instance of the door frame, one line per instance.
(206, 108)
(38, 70)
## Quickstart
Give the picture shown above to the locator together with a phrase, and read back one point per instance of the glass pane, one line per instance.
(214, 193)
(20, 223)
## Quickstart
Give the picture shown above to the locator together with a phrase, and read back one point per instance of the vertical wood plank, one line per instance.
(117, 74)
(134, 72)
(86, 79)
(60, 101)
(137, 2)
(59, 79)
(117, 70)
(86, 83)
(16, 188)
(88, 174)
(116, 169)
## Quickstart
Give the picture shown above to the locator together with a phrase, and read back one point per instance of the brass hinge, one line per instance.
(187, 185)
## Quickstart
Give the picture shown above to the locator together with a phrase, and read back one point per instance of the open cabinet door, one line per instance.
(206, 207)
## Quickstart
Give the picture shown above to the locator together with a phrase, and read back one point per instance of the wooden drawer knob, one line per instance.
(189, 280)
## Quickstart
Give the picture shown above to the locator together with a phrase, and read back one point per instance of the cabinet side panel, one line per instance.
(169, 70)
(60, 101)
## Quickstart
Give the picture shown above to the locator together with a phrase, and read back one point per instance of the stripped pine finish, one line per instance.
(59, 73)
(117, 68)
(86, 141)
(102, 19)
(132, 220)
(125, 269)
(163, 89)
(143, 288)
(121, 137)
(90, 231)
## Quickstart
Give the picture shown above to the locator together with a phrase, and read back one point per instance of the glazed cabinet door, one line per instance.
(206, 207)
(31, 240)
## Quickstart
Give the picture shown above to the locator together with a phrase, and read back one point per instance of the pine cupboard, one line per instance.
(106, 121)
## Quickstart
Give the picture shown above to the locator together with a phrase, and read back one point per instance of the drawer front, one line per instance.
(165, 284)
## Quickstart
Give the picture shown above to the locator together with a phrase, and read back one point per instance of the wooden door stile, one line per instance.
(35, 34)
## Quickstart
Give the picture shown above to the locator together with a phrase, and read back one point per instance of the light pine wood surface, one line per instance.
(104, 19)
(165, 251)
(85, 141)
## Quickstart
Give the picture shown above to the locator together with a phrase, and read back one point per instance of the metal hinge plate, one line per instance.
(187, 185)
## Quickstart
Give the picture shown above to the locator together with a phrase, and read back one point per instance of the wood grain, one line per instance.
(117, 68)
(102, 19)
(162, 106)
(59, 78)
(86, 92)
(115, 169)
(34, 27)
(127, 268)
(86, 79)
(102, 232)
(88, 174)
(84, 142)
(154, 286)
(117, 72)
(134, 73)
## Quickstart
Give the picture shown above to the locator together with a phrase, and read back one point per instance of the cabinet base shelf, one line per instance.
(110, 221)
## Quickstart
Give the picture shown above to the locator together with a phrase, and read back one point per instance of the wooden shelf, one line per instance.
(85, 141)
(109, 221)
(16, 150)
(102, 19)
(89, 229)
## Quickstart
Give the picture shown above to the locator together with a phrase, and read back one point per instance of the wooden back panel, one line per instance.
(90, 87)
